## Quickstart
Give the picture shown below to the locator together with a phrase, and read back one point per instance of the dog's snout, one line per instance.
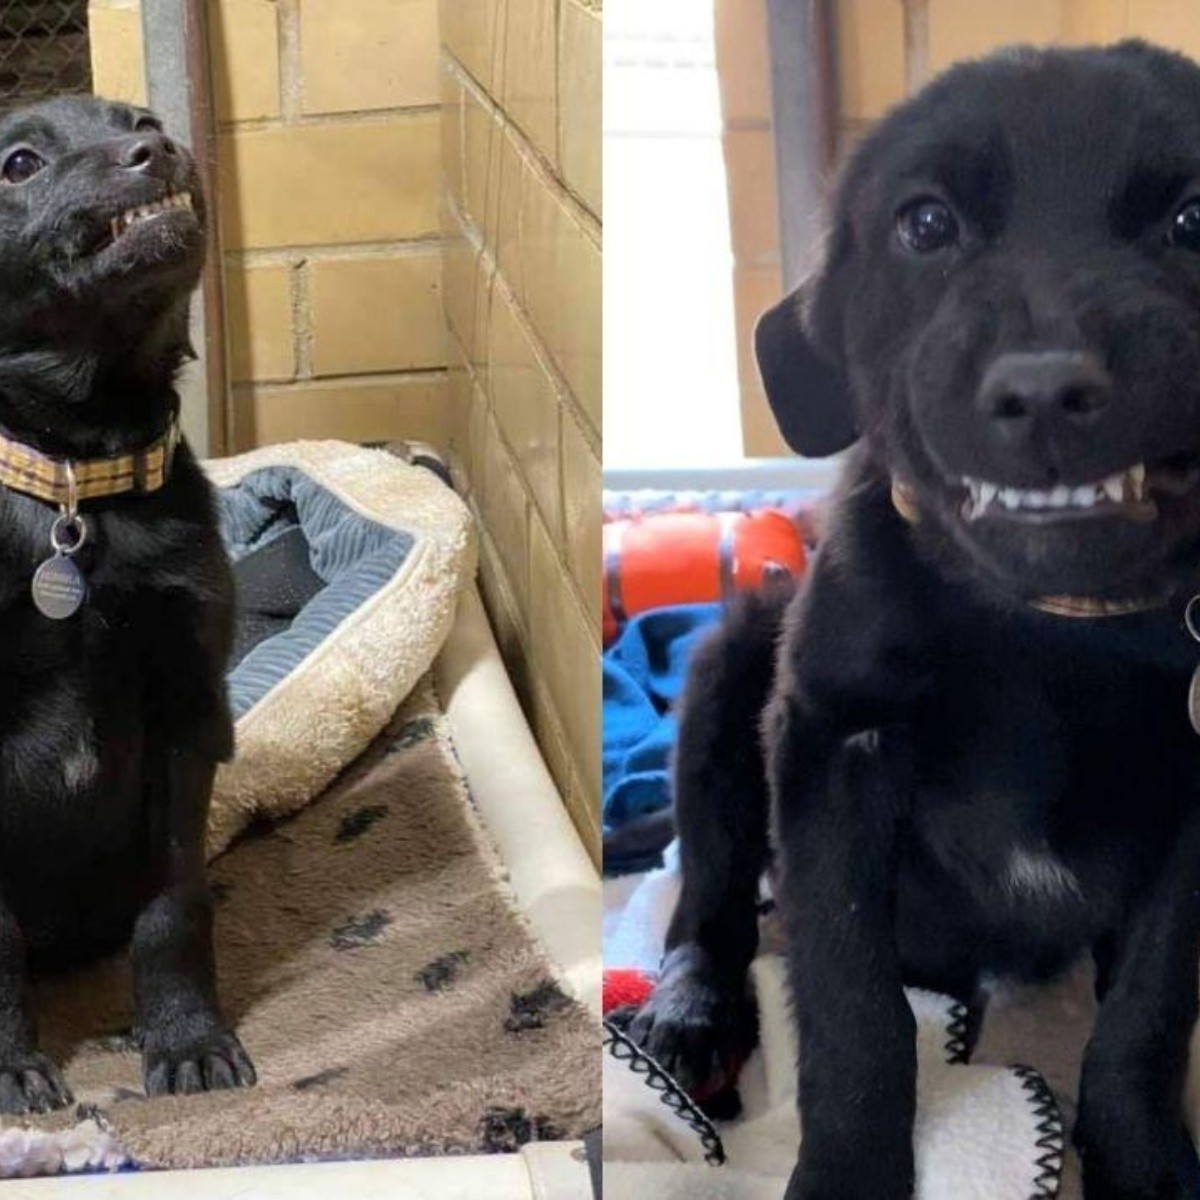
(148, 152)
(1020, 390)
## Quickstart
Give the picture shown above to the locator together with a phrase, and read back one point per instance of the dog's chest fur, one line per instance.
(78, 702)
(1034, 776)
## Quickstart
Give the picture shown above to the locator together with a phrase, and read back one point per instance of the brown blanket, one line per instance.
(392, 997)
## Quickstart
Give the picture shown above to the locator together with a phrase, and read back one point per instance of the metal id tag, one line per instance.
(58, 586)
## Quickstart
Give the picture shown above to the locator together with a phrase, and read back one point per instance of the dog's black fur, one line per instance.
(112, 721)
(961, 785)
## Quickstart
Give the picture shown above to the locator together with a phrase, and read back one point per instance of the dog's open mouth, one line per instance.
(1129, 493)
(139, 215)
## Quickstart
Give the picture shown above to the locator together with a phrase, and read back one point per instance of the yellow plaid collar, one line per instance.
(24, 469)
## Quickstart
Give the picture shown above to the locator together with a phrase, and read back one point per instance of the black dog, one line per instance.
(979, 761)
(112, 719)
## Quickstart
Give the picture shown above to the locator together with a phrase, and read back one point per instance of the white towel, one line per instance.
(984, 1131)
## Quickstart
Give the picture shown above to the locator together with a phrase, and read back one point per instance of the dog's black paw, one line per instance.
(31, 1083)
(874, 1184)
(1146, 1168)
(183, 1061)
(698, 1030)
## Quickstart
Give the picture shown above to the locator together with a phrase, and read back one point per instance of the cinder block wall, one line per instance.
(521, 222)
(328, 178)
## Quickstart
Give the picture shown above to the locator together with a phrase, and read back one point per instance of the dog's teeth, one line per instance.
(1114, 488)
(1060, 497)
(1010, 497)
(1085, 497)
(987, 493)
(1035, 499)
(1137, 480)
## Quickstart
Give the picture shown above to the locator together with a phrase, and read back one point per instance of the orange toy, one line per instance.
(692, 557)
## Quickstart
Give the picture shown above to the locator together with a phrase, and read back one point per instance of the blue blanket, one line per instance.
(644, 672)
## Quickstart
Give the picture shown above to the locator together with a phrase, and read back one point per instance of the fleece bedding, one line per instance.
(348, 564)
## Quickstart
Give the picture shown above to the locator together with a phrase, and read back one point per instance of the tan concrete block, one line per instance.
(1091, 21)
(354, 411)
(548, 730)
(754, 291)
(504, 224)
(529, 91)
(462, 274)
(579, 88)
(566, 651)
(374, 180)
(482, 137)
(581, 508)
(503, 615)
(1171, 23)
(527, 405)
(244, 40)
(560, 286)
(459, 389)
(470, 29)
(743, 63)
(956, 30)
(753, 208)
(453, 104)
(505, 505)
(258, 304)
(116, 48)
(368, 54)
(871, 64)
(477, 433)
(378, 314)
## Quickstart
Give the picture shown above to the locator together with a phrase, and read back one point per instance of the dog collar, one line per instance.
(1078, 607)
(64, 482)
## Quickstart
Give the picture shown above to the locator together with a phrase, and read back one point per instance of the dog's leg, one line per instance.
(836, 822)
(186, 1045)
(29, 1081)
(701, 1023)
(1130, 1133)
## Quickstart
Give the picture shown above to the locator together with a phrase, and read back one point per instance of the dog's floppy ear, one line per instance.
(805, 383)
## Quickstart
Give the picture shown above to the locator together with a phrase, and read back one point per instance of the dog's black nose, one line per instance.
(1020, 390)
(148, 152)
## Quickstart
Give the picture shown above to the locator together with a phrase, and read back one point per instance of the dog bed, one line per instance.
(348, 564)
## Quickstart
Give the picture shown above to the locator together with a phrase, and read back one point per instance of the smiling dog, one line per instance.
(979, 762)
(115, 592)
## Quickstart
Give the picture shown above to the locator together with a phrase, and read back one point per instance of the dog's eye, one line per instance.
(1185, 228)
(142, 124)
(20, 165)
(925, 226)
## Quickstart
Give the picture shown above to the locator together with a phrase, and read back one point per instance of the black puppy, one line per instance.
(979, 761)
(113, 712)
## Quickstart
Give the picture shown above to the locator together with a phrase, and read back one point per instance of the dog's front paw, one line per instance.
(697, 1030)
(865, 1180)
(31, 1083)
(183, 1059)
(1138, 1167)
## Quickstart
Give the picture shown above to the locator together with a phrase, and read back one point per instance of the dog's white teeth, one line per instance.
(1060, 497)
(1114, 487)
(987, 492)
(1137, 480)
(1010, 498)
(1085, 497)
